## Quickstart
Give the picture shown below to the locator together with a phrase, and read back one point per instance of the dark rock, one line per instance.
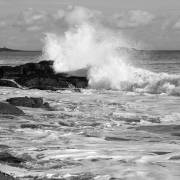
(31, 126)
(69, 124)
(86, 176)
(10, 159)
(3, 146)
(175, 134)
(10, 109)
(175, 157)
(9, 83)
(116, 139)
(28, 102)
(4, 176)
(159, 129)
(160, 152)
(41, 76)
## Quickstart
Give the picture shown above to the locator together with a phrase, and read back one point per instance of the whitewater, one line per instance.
(125, 125)
(98, 51)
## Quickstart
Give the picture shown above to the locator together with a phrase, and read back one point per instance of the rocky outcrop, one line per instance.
(7, 158)
(9, 109)
(9, 83)
(40, 76)
(4, 176)
(28, 102)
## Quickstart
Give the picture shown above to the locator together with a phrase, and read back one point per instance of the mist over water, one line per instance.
(87, 44)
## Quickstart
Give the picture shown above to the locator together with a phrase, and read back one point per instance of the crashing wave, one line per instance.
(93, 47)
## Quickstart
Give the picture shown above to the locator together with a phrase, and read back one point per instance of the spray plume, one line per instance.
(88, 44)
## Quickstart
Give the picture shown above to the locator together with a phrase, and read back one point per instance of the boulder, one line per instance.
(40, 76)
(28, 102)
(5, 157)
(9, 83)
(9, 109)
(4, 176)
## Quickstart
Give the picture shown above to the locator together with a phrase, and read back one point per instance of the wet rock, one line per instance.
(160, 152)
(69, 124)
(130, 120)
(116, 139)
(77, 90)
(5, 157)
(175, 157)
(2, 146)
(9, 109)
(175, 134)
(31, 126)
(159, 129)
(41, 76)
(9, 83)
(28, 102)
(86, 176)
(4, 176)
(43, 83)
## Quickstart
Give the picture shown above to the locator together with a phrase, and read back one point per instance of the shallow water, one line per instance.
(95, 134)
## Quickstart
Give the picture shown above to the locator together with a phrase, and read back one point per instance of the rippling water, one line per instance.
(100, 134)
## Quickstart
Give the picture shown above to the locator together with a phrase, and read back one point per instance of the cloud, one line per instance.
(3, 24)
(31, 24)
(78, 15)
(30, 16)
(133, 18)
(32, 20)
(177, 25)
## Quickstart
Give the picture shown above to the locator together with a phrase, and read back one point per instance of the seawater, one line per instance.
(97, 133)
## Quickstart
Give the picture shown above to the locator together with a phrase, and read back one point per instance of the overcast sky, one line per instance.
(155, 24)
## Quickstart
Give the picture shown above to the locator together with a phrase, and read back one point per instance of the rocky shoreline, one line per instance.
(39, 76)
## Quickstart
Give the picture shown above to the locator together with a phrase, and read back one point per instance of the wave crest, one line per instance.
(96, 48)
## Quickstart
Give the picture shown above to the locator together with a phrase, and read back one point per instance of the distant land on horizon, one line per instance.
(5, 49)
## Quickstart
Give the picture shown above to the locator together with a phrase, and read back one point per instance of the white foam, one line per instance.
(92, 46)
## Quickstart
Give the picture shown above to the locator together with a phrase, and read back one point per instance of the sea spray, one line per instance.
(92, 46)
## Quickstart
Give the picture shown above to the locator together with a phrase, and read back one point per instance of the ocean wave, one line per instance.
(91, 46)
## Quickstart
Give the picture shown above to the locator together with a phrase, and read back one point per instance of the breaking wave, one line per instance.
(92, 46)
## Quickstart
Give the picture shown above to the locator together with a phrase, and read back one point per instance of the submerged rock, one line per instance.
(28, 102)
(4, 176)
(40, 76)
(159, 129)
(9, 83)
(108, 138)
(30, 126)
(10, 159)
(9, 109)
(69, 124)
(175, 157)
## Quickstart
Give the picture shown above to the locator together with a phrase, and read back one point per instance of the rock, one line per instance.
(4, 176)
(9, 83)
(10, 109)
(69, 124)
(159, 129)
(2, 146)
(28, 102)
(43, 83)
(175, 157)
(160, 152)
(7, 158)
(116, 139)
(175, 134)
(31, 126)
(41, 76)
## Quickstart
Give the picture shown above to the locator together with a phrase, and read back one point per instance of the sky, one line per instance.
(149, 24)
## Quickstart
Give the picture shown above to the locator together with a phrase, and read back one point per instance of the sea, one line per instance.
(111, 132)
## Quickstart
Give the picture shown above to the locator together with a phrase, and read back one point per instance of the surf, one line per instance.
(94, 47)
